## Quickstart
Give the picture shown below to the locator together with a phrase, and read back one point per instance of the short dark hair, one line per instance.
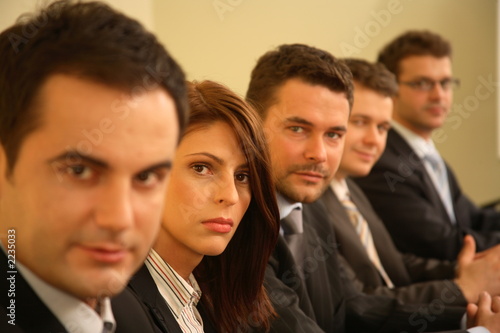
(88, 40)
(300, 61)
(373, 76)
(413, 43)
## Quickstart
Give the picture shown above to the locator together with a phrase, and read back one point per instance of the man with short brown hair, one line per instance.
(91, 109)
(412, 189)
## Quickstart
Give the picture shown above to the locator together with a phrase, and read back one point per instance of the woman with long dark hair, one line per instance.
(205, 272)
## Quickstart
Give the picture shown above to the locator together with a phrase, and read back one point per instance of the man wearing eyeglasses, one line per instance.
(412, 189)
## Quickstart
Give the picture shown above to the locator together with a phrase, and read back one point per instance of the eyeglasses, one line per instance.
(428, 84)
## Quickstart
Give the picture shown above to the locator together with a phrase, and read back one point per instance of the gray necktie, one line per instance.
(107, 327)
(294, 235)
(443, 186)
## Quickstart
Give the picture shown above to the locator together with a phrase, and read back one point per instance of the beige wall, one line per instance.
(223, 44)
(140, 10)
(222, 39)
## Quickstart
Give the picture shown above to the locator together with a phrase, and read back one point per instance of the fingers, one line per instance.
(484, 303)
(468, 251)
(471, 315)
(495, 304)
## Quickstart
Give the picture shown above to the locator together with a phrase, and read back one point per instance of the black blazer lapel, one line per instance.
(321, 268)
(145, 288)
(414, 165)
(130, 315)
(350, 246)
(389, 255)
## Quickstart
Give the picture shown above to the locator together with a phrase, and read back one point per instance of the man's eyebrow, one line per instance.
(307, 122)
(76, 157)
(358, 115)
(365, 117)
(426, 78)
(338, 129)
(298, 120)
(162, 165)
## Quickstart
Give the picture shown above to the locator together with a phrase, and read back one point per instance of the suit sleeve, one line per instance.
(415, 293)
(385, 313)
(426, 269)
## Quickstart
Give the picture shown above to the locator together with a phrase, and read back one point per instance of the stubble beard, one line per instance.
(292, 190)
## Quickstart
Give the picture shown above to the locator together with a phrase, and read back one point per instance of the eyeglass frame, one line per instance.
(446, 84)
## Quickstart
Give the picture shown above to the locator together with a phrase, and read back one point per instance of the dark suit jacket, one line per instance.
(329, 299)
(402, 194)
(33, 316)
(145, 288)
(417, 280)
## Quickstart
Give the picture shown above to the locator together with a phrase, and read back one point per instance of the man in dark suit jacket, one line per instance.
(426, 215)
(411, 278)
(31, 314)
(78, 209)
(304, 95)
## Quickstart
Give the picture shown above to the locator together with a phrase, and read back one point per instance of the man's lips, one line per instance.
(436, 109)
(365, 155)
(105, 253)
(310, 176)
(220, 225)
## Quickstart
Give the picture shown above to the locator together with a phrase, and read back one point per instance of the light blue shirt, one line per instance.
(423, 147)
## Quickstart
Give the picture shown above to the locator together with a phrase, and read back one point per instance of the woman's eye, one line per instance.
(201, 169)
(243, 178)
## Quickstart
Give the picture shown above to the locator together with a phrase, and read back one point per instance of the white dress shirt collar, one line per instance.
(75, 315)
(419, 145)
(340, 188)
(285, 207)
(181, 296)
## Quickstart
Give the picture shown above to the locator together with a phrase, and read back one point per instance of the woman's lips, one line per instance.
(220, 225)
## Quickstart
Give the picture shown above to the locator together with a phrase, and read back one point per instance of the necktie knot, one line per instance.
(107, 327)
(294, 236)
(292, 224)
(434, 159)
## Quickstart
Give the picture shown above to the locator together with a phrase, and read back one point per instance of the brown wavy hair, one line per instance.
(232, 282)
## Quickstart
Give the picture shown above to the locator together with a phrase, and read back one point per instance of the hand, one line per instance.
(486, 313)
(478, 272)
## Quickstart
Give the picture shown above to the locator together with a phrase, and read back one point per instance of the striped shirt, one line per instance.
(181, 296)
